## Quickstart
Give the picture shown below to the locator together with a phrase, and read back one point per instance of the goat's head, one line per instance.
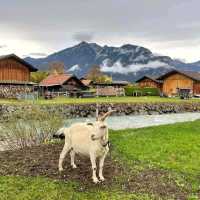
(101, 126)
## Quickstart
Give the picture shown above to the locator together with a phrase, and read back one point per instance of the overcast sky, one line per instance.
(41, 27)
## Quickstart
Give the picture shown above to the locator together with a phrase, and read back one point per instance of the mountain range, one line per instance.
(128, 62)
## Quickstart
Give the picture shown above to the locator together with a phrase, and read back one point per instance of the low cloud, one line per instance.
(83, 36)
(37, 55)
(117, 67)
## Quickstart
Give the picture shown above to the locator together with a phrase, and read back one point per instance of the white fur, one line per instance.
(88, 139)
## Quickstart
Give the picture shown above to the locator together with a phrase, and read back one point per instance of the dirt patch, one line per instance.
(43, 161)
(158, 182)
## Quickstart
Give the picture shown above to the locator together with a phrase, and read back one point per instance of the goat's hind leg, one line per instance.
(65, 150)
(72, 155)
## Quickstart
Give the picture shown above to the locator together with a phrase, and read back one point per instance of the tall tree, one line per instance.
(38, 76)
(56, 67)
(97, 76)
(94, 73)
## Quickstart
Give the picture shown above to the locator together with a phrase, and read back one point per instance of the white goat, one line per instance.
(90, 139)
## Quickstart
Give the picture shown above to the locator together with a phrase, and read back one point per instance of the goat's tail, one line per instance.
(60, 133)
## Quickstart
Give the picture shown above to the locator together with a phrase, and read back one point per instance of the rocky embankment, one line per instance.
(89, 110)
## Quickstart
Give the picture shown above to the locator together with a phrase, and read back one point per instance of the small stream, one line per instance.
(139, 121)
(135, 121)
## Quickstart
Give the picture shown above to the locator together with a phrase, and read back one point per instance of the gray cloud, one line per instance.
(83, 36)
(36, 54)
(59, 25)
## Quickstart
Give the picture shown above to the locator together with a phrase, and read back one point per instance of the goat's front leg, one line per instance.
(72, 155)
(62, 156)
(94, 167)
(101, 164)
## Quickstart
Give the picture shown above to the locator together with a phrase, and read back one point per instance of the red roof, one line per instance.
(55, 79)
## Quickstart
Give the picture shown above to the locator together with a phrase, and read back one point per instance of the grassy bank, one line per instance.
(20, 188)
(160, 163)
(174, 147)
(65, 100)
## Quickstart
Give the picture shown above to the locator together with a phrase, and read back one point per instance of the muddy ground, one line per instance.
(43, 161)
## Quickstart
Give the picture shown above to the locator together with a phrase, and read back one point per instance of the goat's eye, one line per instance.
(103, 127)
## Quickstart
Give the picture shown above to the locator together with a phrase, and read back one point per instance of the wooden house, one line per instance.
(86, 82)
(115, 88)
(14, 76)
(175, 80)
(150, 82)
(62, 84)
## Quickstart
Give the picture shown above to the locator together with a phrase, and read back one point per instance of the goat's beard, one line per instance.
(104, 141)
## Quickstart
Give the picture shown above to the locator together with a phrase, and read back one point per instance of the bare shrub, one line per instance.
(29, 129)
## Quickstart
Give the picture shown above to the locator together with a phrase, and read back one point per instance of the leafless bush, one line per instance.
(33, 128)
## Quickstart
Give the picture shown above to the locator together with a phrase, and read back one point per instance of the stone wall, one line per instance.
(89, 110)
(12, 91)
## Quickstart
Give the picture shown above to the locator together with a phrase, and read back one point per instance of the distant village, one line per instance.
(19, 79)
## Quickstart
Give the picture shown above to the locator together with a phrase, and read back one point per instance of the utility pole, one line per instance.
(97, 105)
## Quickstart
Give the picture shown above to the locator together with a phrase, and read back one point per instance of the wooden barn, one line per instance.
(115, 88)
(59, 84)
(150, 82)
(86, 82)
(14, 76)
(175, 80)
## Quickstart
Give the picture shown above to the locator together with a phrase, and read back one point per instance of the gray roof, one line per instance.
(148, 77)
(124, 83)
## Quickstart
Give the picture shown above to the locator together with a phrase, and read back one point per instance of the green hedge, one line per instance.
(143, 91)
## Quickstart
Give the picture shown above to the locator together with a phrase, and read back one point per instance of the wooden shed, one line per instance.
(86, 82)
(62, 83)
(175, 80)
(150, 82)
(15, 69)
(14, 76)
(115, 88)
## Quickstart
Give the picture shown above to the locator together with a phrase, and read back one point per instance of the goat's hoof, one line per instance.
(102, 179)
(96, 181)
(74, 166)
(61, 169)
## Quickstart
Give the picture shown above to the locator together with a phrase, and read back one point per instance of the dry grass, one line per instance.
(28, 129)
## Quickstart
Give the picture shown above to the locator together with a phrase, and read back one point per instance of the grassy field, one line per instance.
(162, 162)
(65, 100)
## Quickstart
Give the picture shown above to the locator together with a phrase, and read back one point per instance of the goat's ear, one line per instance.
(106, 115)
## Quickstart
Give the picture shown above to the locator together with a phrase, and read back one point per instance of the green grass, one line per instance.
(65, 100)
(174, 148)
(21, 188)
